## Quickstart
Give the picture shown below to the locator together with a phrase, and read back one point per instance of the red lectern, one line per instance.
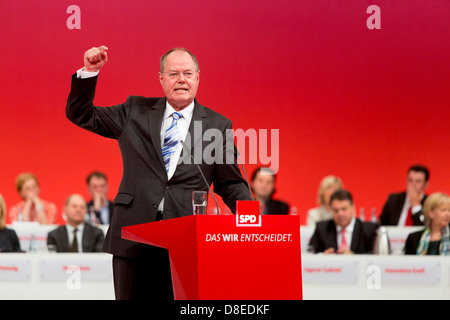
(212, 258)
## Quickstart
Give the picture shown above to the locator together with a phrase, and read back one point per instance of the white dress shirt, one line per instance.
(104, 213)
(86, 74)
(348, 233)
(70, 230)
(183, 127)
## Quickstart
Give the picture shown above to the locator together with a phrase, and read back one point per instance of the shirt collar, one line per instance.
(186, 112)
(348, 228)
(71, 228)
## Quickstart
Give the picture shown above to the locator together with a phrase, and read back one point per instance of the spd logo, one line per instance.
(247, 214)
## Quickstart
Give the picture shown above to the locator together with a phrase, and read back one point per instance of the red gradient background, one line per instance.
(361, 104)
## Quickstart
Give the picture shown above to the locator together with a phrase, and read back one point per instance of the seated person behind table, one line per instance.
(76, 235)
(32, 208)
(405, 208)
(327, 186)
(100, 208)
(434, 238)
(263, 187)
(9, 242)
(344, 233)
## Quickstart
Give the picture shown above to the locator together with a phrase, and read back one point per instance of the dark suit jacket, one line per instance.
(393, 208)
(97, 213)
(9, 242)
(412, 242)
(363, 237)
(136, 124)
(276, 207)
(92, 239)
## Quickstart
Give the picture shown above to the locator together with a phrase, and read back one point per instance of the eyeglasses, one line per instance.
(176, 75)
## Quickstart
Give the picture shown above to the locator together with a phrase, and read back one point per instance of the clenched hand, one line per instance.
(95, 58)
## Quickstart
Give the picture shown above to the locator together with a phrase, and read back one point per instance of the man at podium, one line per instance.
(156, 184)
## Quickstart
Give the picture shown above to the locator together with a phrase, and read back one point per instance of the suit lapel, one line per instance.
(85, 238)
(332, 235)
(155, 117)
(66, 246)
(356, 236)
(198, 116)
(195, 135)
(399, 206)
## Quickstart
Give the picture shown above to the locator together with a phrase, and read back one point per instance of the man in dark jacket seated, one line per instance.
(263, 188)
(76, 235)
(344, 234)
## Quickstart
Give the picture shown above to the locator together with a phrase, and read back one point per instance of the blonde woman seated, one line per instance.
(327, 187)
(434, 239)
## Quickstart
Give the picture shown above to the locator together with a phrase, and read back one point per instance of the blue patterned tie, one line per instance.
(171, 137)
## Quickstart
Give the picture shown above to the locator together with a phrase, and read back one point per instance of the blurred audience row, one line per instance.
(79, 234)
(337, 230)
(33, 208)
(401, 209)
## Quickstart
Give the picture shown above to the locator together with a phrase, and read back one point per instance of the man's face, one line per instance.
(263, 185)
(98, 186)
(416, 181)
(342, 212)
(75, 209)
(179, 80)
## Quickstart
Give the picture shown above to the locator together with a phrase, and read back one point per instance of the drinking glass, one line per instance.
(199, 201)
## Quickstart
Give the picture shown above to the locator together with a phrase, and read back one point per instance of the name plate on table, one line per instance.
(60, 267)
(397, 271)
(15, 269)
(330, 271)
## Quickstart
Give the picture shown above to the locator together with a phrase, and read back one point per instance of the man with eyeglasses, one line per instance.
(155, 184)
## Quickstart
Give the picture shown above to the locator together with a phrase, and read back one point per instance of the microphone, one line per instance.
(201, 172)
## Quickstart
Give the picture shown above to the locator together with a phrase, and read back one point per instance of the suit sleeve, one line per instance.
(418, 216)
(51, 238)
(105, 121)
(411, 243)
(228, 181)
(384, 216)
(314, 242)
(370, 235)
(14, 241)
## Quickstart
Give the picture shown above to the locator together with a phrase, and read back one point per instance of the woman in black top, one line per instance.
(9, 242)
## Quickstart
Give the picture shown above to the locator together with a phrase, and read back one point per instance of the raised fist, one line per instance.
(95, 58)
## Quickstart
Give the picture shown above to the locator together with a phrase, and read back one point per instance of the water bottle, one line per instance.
(373, 215)
(33, 247)
(362, 216)
(382, 245)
